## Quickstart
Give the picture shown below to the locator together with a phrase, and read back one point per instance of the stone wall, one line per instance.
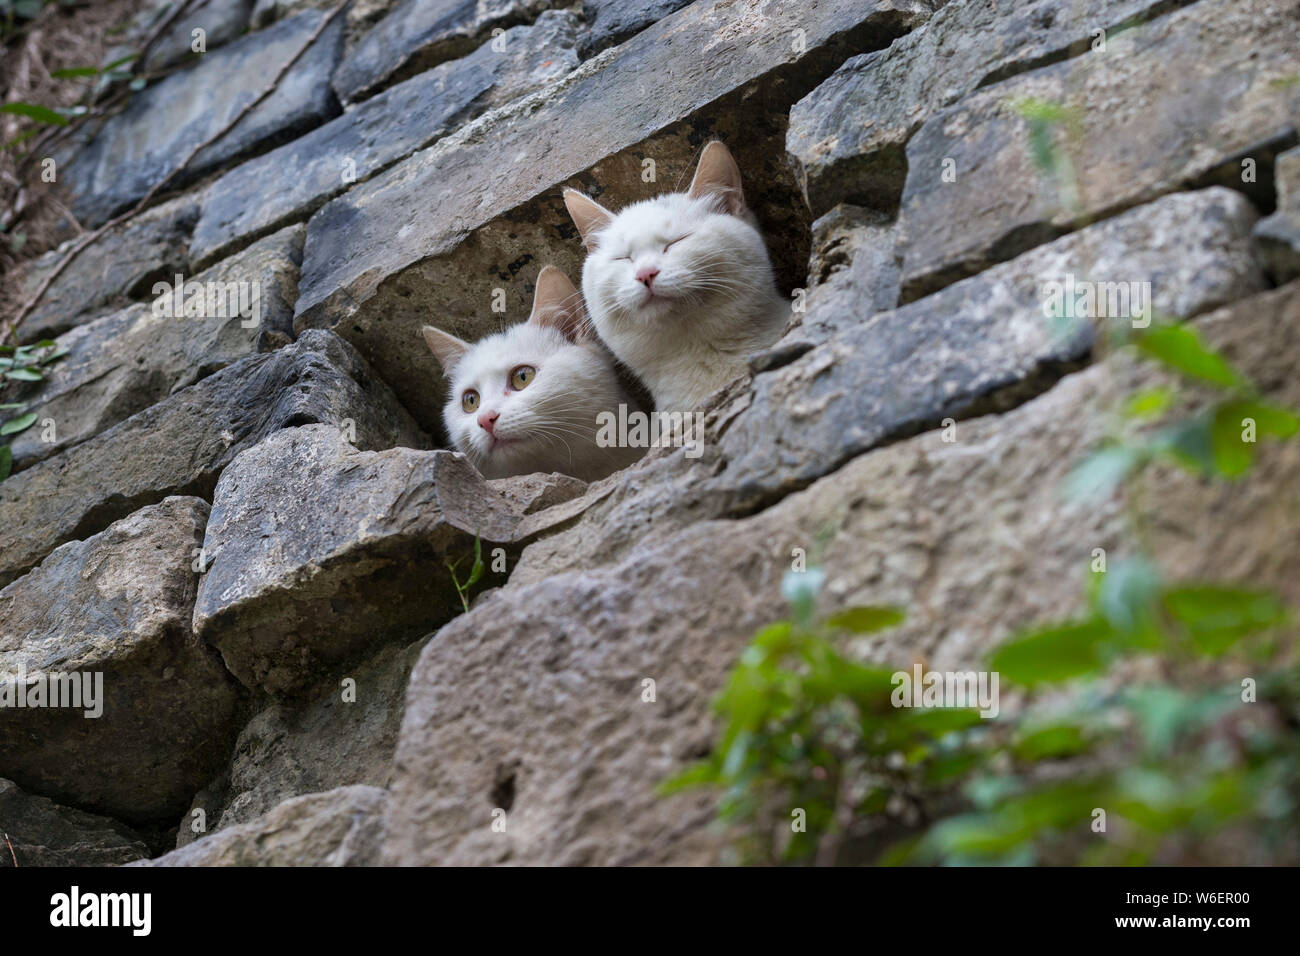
(246, 528)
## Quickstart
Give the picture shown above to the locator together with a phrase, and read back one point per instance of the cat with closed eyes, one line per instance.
(680, 287)
(527, 399)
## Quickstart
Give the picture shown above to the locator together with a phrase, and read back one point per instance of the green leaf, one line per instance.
(6, 461)
(73, 72)
(1181, 348)
(1055, 653)
(1189, 444)
(1233, 453)
(1102, 471)
(866, 620)
(16, 425)
(1149, 403)
(1218, 617)
(1053, 742)
(1127, 595)
(24, 374)
(41, 114)
(476, 571)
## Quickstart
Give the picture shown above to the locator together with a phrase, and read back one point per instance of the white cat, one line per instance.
(680, 287)
(526, 400)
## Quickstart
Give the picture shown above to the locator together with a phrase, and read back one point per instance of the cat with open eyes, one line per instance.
(680, 287)
(527, 399)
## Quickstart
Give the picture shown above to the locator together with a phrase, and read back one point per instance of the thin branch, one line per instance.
(11, 851)
(90, 237)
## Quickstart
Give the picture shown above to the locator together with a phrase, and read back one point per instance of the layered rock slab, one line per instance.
(112, 613)
(419, 34)
(610, 22)
(377, 266)
(181, 444)
(342, 827)
(128, 154)
(43, 833)
(1223, 73)
(318, 551)
(125, 362)
(847, 136)
(121, 265)
(983, 343)
(293, 181)
(343, 734)
(974, 538)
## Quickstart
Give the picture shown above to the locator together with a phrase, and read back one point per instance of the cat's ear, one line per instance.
(557, 304)
(588, 215)
(446, 348)
(718, 175)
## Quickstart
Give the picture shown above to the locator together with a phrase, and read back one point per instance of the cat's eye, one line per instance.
(674, 242)
(469, 401)
(521, 376)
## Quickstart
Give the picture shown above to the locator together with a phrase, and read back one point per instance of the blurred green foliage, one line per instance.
(23, 363)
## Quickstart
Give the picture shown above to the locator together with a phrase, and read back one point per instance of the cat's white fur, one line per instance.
(714, 301)
(551, 423)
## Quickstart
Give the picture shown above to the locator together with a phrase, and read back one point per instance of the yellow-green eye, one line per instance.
(521, 376)
(469, 401)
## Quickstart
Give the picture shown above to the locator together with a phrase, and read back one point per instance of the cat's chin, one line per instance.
(652, 308)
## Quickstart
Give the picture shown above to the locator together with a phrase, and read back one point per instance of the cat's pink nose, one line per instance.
(488, 420)
(646, 276)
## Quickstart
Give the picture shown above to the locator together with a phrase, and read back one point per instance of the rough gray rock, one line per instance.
(419, 34)
(1277, 236)
(43, 833)
(117, 605)
(973, 538)
(293, 181)
(123, 363)
(360, 14)
(847, 136)
(977, 345)
(180, 445)
(220, 20)
(132, 150)
(121, 265)
(330, 741)
(1125, 151)
(613, 21)
(852, 274)
(377, 266)
(318, 552)
(342, 827)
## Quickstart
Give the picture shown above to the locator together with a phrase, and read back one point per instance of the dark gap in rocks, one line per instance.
(503, 790)
(1263, 191)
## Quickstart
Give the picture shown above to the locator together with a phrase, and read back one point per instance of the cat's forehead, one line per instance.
(501, 352)
(667, 213)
